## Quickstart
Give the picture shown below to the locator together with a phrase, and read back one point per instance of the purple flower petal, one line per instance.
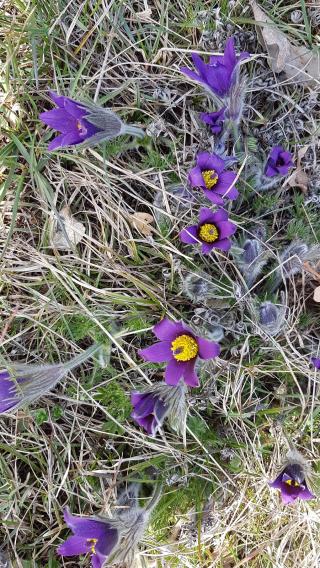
(200, 65)
(192, 75)
(277, 483)
(174, 371)
(206, 215)
(213, 196)
(167, 330)
(84, 526)
(195, 177)
(144, 406)
(207, 161)
(57, 99)
(108, 541)
(206, 248)
(287, 497)
(223, 244)
(306, 495)
(220, 215)
(189, 374)
(58, 119)
(316, 362)
(224, 186)
(226, 229)
(73, 546)
(8, 392)
(208, 349)
(98, 560)
(157, 353)
(189, 235)
(74, 109)
(230, 59)
(56, 142)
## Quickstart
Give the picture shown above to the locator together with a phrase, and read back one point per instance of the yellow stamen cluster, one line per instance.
(184, 348)
(92, 542)
(210, 178)
(208, 233)
(292, 483)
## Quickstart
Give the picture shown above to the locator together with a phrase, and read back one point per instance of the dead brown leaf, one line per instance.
(297, 62)
(72, 234)
(299, 178)
(142, 223)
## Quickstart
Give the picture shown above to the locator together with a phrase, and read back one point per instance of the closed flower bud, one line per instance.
(271, 318)
(20, 384)
(252, 260)
(158, 402)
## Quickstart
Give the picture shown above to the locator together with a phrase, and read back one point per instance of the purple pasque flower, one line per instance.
(316, 362)
(83, 123)
(149, 411)
(214, 119)
(213, 231)
(180, 348)
(157, 402)
(292, 484)
(220, 73)
(279, 162)
(210, 174)
(90, 536)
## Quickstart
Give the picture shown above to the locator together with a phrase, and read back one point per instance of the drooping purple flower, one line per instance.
(180, 348)
(214, 119)
(91, 536)
(210, 175)
(20, 384)
(220, 73)
(213, 231)
(160, 401)
(316, 362)
(149, 411)
(279, 162)
(83, 123)
(292, 484)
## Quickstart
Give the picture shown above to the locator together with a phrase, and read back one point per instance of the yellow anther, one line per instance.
(92, 542)
(210, 178)
(292, 482)
(184, 348)
(208, 233)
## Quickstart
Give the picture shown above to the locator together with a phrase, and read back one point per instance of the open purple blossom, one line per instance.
(316, 362)
(292, 484)
(151, 407)
(91, 536)
(213, 231)
(111, 541)
(83, 123)
(214, 119)
(180, 348)
(20, 384)
(279, 162)
(220, 73)
(210, 175)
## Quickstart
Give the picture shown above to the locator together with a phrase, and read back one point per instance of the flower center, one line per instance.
(92, 542)
(184, 348)
(292, 483)
(210, 178)
(208, 233)
(82, 129)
